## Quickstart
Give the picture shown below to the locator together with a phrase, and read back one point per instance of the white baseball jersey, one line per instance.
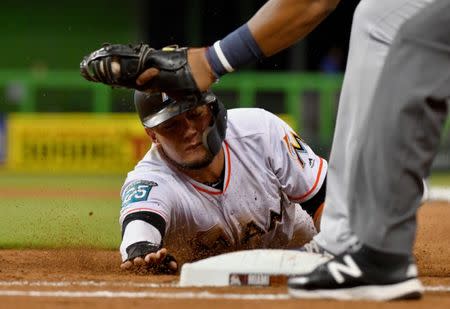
(268, 170)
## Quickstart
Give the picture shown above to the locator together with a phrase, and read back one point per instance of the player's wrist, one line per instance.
(141, 249)
(200, 68)
(235, 50)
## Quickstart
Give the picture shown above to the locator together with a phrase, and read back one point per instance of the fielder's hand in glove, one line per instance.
(178, 71)
(200, 70)
(144, 254)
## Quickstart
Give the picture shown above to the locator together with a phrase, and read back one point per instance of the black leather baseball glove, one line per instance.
(119, 65)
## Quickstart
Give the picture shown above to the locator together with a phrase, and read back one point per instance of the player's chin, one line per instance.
(198, 162)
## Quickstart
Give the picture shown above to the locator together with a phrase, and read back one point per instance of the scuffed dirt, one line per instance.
(432, 252)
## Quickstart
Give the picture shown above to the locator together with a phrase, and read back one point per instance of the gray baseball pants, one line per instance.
(375, 24)
(402, 135)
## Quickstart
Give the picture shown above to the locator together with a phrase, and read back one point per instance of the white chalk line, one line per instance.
(92, 283)
(438, 194)
(121, 294)
(437, 288)
(143, 294)
(87, 283)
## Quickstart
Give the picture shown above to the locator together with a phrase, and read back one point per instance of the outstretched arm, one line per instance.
(180, 71)
(280, 23)
(275, 26)
(142, 239)
(144, 221)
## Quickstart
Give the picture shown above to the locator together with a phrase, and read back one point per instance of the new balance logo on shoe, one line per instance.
(349, 268)
(358, 274)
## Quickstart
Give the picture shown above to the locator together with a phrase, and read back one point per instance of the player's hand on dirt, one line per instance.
(161, 257)
(199, 66)
(159, 262)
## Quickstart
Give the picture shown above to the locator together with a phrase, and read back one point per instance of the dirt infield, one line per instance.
(74, 278)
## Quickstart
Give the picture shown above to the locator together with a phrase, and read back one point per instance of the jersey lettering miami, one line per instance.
(269, 171)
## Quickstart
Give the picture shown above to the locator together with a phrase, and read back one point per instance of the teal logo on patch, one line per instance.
(137, 191)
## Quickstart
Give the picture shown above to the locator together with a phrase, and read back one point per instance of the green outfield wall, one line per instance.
(57, 122)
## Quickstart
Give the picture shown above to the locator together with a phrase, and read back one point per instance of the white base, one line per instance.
(261, 267)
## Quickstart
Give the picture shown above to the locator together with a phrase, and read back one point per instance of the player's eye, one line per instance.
(197, 112)
(168, 125)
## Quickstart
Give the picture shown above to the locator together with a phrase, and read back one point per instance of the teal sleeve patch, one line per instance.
(137, 191)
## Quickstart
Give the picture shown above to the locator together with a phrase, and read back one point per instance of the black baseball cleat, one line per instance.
(360, 273)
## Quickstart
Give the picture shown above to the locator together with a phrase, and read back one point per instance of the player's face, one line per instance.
(181, 137)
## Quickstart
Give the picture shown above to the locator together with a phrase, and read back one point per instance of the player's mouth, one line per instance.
(193, 146)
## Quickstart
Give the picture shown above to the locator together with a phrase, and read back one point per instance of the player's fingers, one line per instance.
(126, 265)
(151, 258)
(138, 261)
(161, 254)
(157, 256)
(146, 76)
(173, 265)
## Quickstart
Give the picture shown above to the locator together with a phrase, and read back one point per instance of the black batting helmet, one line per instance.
(155, 108)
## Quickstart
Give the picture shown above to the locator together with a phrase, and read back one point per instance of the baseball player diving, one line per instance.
(216, 181)
(384, 267)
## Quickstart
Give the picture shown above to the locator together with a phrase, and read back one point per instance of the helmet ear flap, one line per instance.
(215, 133)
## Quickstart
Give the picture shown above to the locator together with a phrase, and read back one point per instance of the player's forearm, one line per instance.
(280, 23)
(277, 25)
(138, 231)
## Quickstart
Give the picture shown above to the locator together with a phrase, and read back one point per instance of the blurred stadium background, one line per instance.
(66, 144)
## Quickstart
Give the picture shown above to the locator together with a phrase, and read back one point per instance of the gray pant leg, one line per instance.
(408, 112)
(374, 26)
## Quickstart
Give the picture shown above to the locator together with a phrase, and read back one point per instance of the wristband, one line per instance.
(236, 49)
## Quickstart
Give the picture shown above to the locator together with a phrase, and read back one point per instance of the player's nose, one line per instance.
(189, 127)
